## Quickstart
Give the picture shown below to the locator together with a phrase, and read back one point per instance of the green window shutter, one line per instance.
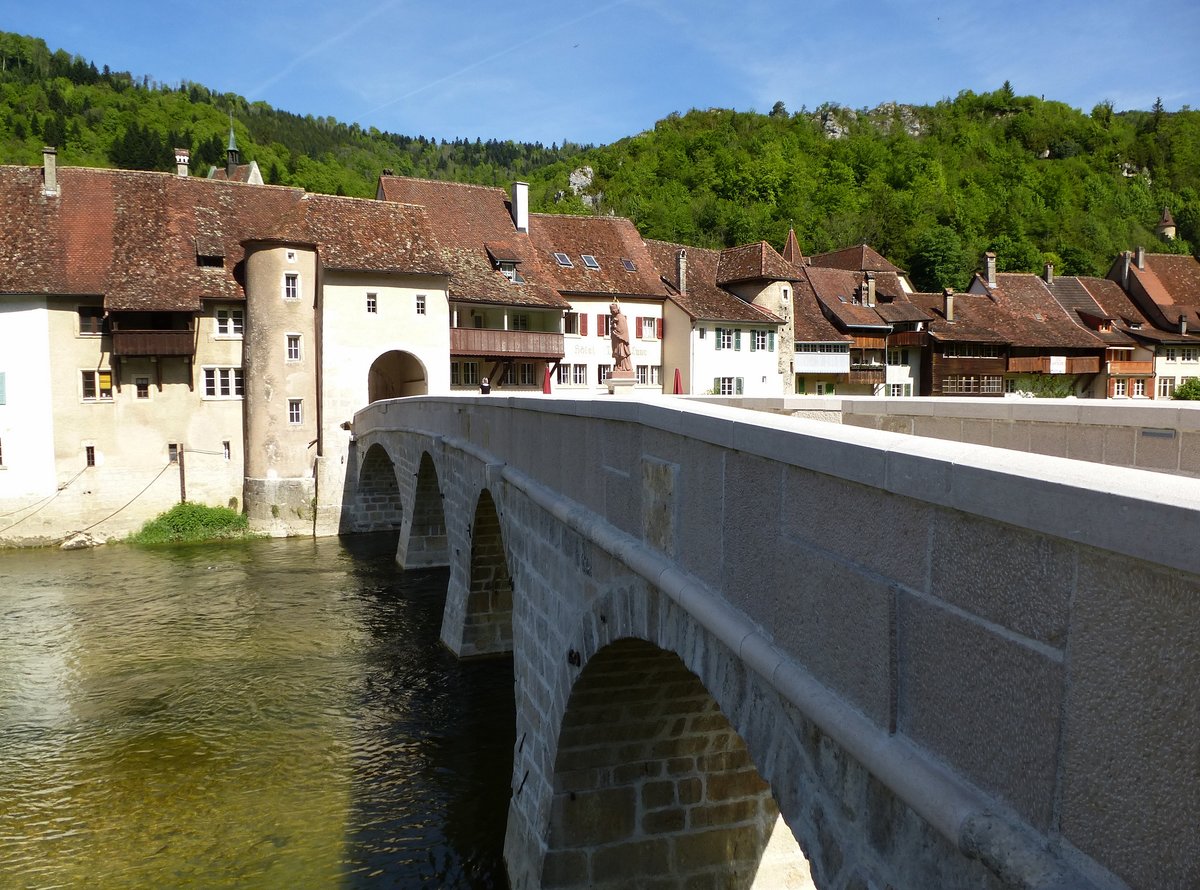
(737, 339)
(3, 399)
(800, 386)
(753, 341)
(716, 386)
(737, 386)
(771, 341)
(717, 339)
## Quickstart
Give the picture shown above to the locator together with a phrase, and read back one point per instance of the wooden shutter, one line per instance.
(716, 386)
(737, 386)
(602, 325)
(771, 341)
(754, 341)
(737, 339)
(717, 338)
(582, 325)
(659, 328)
(638, 326)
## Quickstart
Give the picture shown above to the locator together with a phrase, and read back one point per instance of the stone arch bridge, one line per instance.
(927, 664)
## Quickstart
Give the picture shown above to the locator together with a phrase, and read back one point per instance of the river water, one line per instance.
(268, 714)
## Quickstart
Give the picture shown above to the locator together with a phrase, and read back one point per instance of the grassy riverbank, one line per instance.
(188, 523)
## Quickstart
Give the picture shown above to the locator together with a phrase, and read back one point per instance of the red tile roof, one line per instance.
(791, 250)
(860, 258)
(977, 319)
(1036, 319)
(753, 262)
(704, 300)
(607, 238)
(808, 321)
(465, 220)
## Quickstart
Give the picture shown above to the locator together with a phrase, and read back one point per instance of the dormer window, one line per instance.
(509, 271)
(210, 252)
(628, 264)
(589, 261)
(563, 260)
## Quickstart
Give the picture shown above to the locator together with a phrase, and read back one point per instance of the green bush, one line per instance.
(187, 523)
(1189, 390)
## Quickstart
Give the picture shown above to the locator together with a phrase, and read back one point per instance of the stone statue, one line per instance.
(619, 330)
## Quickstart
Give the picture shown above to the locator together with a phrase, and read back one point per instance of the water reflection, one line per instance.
(277, 714)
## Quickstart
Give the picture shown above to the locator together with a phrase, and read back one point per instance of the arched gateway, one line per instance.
(396, 374)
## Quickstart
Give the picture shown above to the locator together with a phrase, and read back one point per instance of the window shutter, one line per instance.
(659, 328)
(716, 386)
(737, 386)
(737, 340)
(3, 392)
(602, 325)
(639, 327)
(800, 386)
(754, 341)
(717, 339)
(582, 325)
(771, 341)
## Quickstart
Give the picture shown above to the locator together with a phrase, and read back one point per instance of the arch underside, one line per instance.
(378, 504)
(394, 375)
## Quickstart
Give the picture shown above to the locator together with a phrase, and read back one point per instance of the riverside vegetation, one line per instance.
(930, 187)
(189, 523)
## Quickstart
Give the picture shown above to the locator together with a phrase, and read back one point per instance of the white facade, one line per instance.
(587, 345)
(26, 410)
(735, 358)
(1174, 366)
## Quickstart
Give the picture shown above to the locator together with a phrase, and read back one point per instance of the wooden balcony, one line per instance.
(867, 375)
(130, 343)
(1041, 364)
(1131, 369)
(507, 344)
(907, 338)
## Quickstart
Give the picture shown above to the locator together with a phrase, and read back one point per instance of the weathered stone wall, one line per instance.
(951, 664)
(378, 505)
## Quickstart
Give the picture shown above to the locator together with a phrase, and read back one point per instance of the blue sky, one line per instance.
(549, 70)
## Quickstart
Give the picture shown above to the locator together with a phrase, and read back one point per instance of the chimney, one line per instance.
(1125, 255)
(1049, 276)
(989, 265)
(869, 291)
(681, 271)
(49, 170)
(520, 206)
(1183, 325)
(1141, 259)
(182, 157)
(948, 309)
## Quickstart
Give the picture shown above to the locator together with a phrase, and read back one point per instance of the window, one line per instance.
(962, 383)
(602, 372)
(455, 374)
(656, 375)
(702, 332)
(293, 347)
(643, 374)
(210, 261)
(1166, 387)
(649, 328)
(91, 321)
(527, 374)
(825, 389)
(563, 260)
(291, 285)
(970, 350)
(571, 323)
(835, 348)
(1170, 354)
(420, 304)
(724, 338)
(758, 341)
(1188, 354)
(579, 375)
(230, 322)
(1139, 388)
(295, 412)
(728, 386)
(223, 383)
(291, 256)
(97, 385)
(225, 449)
(510, 376)
(1010, 384)
(373, 303)
(897, 357)
(173, 453)
(509, 270)
(89, 452)
(564, 375)
(470, 373)
(142, 385)
(1119, 389)
(519, 321)
(898, 390)
(628, 264)
(589, 261)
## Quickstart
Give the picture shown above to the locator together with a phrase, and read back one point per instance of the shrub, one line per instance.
(1189, 390)
(187, 522)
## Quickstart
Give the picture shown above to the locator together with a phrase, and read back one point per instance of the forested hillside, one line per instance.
(931, 187)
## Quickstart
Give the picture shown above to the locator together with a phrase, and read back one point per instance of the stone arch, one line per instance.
(424, 539)
(378, 505)
(396, 374)
(486, 625)
(652, 783)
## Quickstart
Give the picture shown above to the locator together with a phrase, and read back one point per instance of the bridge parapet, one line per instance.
(990, 635)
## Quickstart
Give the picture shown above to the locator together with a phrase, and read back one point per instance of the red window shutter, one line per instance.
(639, 327)
(659, 328)
(582, 325)
(602, 325)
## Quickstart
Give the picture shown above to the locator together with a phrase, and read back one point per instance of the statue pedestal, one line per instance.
(621, 386)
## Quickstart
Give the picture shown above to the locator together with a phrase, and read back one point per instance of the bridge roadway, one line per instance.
(940, 665)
